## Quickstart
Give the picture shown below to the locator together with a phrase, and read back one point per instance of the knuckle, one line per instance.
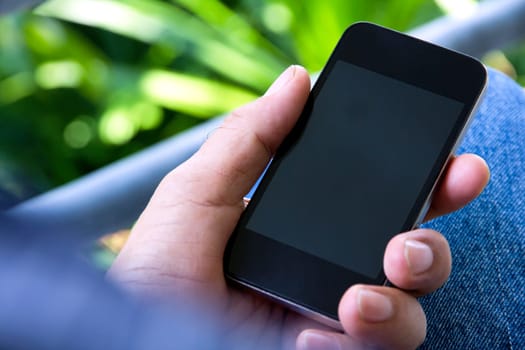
(237, 122)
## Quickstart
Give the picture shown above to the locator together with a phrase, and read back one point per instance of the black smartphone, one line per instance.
(360, 166)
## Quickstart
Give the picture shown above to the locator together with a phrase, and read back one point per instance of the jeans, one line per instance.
(51, 300)
(482, 306)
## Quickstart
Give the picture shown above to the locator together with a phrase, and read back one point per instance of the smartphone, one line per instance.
(360, 166)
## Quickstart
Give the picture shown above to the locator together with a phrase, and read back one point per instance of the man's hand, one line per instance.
(176, 248)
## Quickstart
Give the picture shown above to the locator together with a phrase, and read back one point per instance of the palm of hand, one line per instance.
(176, 248)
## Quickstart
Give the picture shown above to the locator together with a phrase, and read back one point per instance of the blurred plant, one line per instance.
(85, 82)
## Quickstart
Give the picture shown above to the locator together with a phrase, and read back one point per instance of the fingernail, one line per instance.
(418, 255)
(283, 79)
(309, 340)
(373, 306)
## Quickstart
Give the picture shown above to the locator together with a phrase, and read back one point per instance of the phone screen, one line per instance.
(350, 180)
(358, 167)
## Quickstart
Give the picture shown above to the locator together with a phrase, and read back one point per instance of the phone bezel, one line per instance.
(295, 277)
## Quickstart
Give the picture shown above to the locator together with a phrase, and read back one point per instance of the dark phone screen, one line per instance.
(350, 181)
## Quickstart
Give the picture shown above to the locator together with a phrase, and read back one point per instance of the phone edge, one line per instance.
(426, 205)
(334, 323)
(303, 310)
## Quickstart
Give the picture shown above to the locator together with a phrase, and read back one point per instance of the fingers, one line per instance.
(177, 245)
(210, 186)
(418, 261)
(465, 178)
(231, 160)
(314, 339)
(372, 317)
(382, 317)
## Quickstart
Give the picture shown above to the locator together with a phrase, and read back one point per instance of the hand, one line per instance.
(176, 248)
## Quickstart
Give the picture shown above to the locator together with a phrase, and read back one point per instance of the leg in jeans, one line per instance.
(483, 304)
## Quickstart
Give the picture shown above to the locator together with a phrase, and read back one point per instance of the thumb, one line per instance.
(178, 243)
(238, 151)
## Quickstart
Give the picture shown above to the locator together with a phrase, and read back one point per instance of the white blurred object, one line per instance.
(495, 24)
(458, 8)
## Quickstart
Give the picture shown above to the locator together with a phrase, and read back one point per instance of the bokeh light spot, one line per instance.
(16, 87)
(190, 94)
(77, 134)
(115, 127)
(146, 116)
(277, 17)
(458, 8)
(59, 74)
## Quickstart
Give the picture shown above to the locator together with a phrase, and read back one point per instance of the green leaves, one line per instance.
(196, 96)
(156, 21)
(85, 82)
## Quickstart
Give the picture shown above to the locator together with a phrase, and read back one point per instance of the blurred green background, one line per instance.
(86, 82)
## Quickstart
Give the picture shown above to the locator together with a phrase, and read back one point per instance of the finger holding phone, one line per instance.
(177, 247)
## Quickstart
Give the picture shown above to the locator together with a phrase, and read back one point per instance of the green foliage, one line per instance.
(85, 82)
(516, 57)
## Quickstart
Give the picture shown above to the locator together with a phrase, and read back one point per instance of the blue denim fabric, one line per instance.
(483, 304)
(49, 300)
